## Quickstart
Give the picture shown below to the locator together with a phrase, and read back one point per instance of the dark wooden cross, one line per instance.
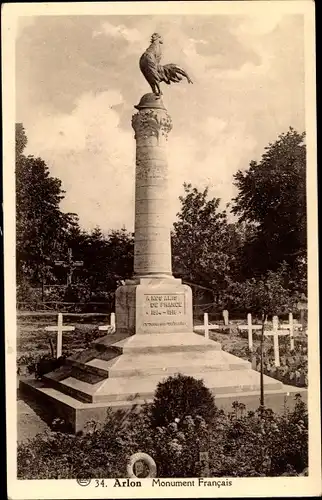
(204, 463)
(70, 265)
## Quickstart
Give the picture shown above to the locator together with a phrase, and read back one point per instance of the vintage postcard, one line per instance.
(160, 226)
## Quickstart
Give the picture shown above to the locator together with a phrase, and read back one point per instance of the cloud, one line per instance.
(79, 78)
(120, 31)
(209, 162)
(258, 25)
(201, 41)
(91, 118)
(94, 158)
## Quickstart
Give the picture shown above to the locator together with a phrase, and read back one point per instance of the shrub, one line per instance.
(47, 364)
(38, 365)
(102, 452)
(239, 444)
(180, 396)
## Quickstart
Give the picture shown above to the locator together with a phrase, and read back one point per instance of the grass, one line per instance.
(33, 341)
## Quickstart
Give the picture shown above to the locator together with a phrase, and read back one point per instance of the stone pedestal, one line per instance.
(155, 305)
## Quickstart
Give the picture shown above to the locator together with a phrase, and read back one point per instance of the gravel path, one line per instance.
(29, 424)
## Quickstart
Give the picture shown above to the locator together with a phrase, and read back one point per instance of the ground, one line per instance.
(33, 342)
(29, 422)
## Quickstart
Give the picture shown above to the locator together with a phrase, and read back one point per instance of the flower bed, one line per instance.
(238, 444)
(294, 364)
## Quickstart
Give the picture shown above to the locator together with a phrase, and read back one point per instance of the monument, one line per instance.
(153, 301)
(154, 335)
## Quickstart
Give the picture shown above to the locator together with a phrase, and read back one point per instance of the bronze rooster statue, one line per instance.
(154, 72)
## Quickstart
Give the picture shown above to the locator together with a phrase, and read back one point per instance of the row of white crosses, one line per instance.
(211, 326)
(287, 329)
(60, 328)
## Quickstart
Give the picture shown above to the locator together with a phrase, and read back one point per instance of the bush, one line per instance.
(180, 396)
(40, 364)
(238, 443)
(48, 364)
(102, 452)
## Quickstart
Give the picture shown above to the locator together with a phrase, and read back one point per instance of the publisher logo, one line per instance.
(83, 482)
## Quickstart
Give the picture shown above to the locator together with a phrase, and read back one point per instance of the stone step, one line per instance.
(78, 412)
(97, 369)
(101, 365)
(188, 362)
(128, 388)
(161, 343)
(137, 388)
(85, 355)
(87, 372)
(108, 354)
(59, 374)
(78, 389)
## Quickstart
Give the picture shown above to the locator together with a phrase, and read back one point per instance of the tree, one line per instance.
(204, 244)
(272, 200)
(121, 255)
(264, 296)
(41, 227)
(108, 259)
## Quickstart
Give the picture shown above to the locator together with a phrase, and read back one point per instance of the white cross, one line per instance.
(226, 317)
(110, 328)
(291, 326)
(250, 327)
(59, 329)
(206, 326)
(276, 333)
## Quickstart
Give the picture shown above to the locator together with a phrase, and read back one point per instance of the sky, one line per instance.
(78, 79)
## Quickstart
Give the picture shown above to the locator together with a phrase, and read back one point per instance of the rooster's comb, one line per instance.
(155, 36)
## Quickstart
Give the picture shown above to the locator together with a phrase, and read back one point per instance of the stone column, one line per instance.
(153, 302)
(152, 249)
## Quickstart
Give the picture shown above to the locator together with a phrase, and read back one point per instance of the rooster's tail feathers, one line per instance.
(173, 73)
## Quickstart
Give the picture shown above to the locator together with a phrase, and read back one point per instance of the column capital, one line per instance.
(152, 120)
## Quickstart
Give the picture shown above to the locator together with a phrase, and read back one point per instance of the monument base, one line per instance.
(123, 372)
(153, 305)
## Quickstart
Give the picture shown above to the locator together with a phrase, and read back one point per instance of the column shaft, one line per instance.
(152, 249)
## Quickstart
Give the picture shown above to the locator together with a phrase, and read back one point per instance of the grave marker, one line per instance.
(204, 463)
(250, 327)
(291, 325)
(70, 265)
(302, 306)
(59, 329)
(206, 326)
(276, 333)
(226, 317)
(111, 327)
(205, 321)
